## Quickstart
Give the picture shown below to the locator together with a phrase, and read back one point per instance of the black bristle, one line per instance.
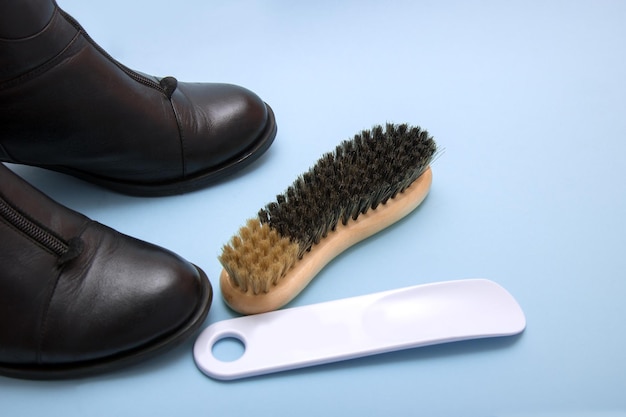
(358, 176)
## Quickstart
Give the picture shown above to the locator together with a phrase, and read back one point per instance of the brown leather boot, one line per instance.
(77, 297)
(67, 105)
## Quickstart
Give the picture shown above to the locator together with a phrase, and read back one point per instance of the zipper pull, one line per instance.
(169, 85)
(75, 247)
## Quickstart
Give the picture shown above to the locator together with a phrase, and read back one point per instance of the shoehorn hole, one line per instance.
(228, 348)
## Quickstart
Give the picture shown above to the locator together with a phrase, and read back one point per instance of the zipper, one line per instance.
(33, 230)
(134, 75)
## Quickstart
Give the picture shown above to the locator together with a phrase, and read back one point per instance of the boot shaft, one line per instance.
(24, 18)
(21, 55)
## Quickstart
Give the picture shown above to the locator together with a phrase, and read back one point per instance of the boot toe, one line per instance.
(223, 127)
(134, 300)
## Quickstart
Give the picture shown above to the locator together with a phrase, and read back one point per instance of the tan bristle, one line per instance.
(257, 257)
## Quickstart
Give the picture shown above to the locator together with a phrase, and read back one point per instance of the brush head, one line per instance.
(358, 176)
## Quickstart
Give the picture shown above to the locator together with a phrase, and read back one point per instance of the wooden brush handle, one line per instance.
(321, 254)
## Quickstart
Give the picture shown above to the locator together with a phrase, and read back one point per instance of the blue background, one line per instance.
(528, 101)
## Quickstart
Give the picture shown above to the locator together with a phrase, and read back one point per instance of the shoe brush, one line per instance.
(363, 186)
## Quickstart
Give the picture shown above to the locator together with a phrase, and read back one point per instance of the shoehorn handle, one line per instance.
(354, 327)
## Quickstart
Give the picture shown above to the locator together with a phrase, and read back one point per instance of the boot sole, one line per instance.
(156, 347)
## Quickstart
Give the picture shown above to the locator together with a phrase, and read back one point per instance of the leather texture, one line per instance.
(66, 105)
(102, 302)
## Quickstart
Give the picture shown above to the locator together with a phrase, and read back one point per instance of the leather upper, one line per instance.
(117, 295)
(65, 104)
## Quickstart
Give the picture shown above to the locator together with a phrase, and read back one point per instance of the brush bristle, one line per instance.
(359, 175)
(258, 257)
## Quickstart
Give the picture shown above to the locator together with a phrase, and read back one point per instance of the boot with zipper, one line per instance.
(77, 297)
(68, 106)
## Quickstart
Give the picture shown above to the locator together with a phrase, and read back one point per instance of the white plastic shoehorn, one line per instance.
(366, 325)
